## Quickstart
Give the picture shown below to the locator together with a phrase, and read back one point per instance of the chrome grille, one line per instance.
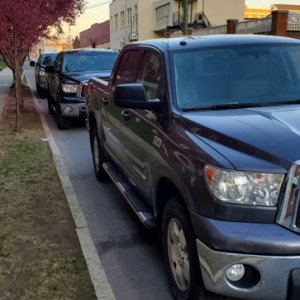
(289, 210)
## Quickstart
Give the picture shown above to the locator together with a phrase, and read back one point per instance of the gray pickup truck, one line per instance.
(202, 137)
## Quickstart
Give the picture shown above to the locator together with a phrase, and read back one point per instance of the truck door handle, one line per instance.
(125, 114)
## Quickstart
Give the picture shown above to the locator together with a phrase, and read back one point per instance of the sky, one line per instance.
(97, 11)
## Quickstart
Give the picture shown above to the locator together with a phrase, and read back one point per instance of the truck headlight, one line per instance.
(244, 187)
(69, 88)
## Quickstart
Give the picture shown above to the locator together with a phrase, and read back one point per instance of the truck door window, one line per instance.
(150, 75)
(128, 68)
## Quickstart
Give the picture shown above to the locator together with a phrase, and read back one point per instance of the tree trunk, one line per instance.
(13, 86)
(18, 92)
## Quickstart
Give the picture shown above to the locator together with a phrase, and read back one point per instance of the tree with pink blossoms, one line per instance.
(22, 24)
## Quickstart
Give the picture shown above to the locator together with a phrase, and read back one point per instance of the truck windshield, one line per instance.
(49, 58)
(88, 61)
(256, 74)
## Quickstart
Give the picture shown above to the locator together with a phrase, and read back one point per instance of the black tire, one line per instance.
(41, 93)
(178, 237)
(62, 122)
(98, 155)
(50, 106)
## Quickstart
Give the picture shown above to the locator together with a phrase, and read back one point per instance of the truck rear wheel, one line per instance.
(41, 93)
(98, 155)
(180, 254)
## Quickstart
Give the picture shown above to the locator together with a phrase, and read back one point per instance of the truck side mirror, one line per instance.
(133, 95)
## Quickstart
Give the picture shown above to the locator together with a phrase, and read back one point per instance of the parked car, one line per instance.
(72, 67)
(45, 59)
(202, 137)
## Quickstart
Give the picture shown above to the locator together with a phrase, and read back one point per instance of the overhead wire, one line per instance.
(92, 5)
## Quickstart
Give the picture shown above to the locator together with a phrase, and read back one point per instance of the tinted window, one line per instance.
(128, 68)
(88, 61)
(295, 61)
(49, 59)
(237, 74)
(150, 74)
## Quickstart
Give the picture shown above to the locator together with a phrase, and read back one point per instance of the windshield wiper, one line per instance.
(235, 105)
(229, 105)
(295, 101)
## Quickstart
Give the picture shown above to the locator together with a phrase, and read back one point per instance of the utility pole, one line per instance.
(185, 17)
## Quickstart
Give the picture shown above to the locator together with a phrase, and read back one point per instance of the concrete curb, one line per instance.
(100, 282)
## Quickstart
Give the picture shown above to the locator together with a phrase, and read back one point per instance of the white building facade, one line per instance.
(132, 20)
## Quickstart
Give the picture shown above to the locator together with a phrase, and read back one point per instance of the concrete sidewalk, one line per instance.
(6, 80)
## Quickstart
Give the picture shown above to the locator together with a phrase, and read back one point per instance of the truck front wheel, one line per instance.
(50, 104)
(98, 155)
(62, 122)
(180, 254)
(39, 91)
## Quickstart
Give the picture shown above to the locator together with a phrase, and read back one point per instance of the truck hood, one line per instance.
(271, 133)
(84, 76)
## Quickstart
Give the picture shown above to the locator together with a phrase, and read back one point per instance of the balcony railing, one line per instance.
(247, 27)
(177, 18)
(255, 26)
(162, 23)
(293, 22)
(213, 30)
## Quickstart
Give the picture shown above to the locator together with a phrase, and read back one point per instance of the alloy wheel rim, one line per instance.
(178, 255)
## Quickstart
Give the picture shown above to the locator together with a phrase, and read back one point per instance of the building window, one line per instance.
(163, 11)
(162, 16)
(116, 21)
(122, 16)
(111, 24)
(129, 15)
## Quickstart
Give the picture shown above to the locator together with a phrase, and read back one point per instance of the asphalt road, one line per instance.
(130, 254)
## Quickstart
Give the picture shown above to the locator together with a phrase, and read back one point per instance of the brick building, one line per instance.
(97, 36)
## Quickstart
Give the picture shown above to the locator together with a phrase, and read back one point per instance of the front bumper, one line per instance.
(269, 253)
(73, 110)
(278, 275)
(42, 82)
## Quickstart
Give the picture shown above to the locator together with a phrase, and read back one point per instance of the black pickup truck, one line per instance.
(45, 59)
(72, 67)
(202, 137)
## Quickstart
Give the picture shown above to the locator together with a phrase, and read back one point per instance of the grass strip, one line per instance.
(40, 256)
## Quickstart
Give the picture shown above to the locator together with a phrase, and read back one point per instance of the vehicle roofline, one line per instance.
(178, 43)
